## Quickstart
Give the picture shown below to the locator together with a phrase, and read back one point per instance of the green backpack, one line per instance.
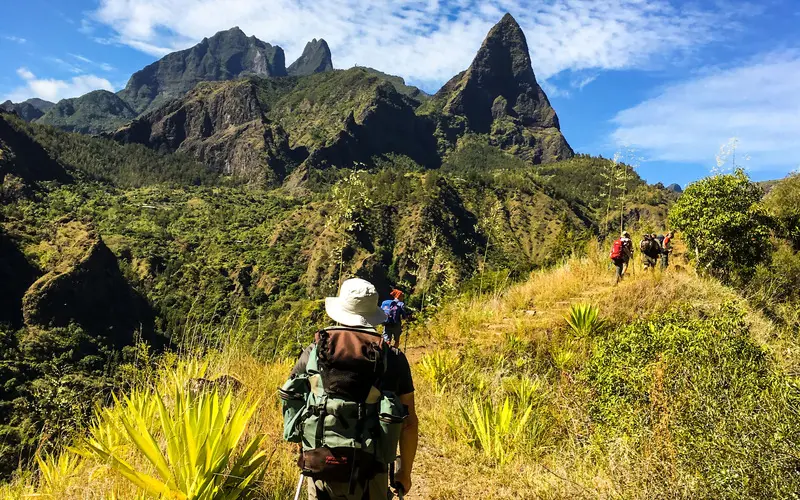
(348, 428)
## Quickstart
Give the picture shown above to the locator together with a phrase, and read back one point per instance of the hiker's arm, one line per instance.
(409, 438)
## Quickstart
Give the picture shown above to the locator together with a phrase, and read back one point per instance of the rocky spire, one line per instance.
(502, 68)
(499, 95)
(316, 58)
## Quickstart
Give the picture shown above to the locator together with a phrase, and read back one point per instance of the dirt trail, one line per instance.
(432, 466)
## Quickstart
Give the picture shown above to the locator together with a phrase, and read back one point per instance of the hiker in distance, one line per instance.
(349, 403)
(395, 310)
(621, 255)
(651, 251)
(666, 249)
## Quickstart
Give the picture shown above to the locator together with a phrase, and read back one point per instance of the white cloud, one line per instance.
(757, 102)
(25, 74)
(427, 41)
(55, 90)
(15, 39)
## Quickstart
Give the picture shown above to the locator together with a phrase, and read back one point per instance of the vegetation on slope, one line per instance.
(676, 393)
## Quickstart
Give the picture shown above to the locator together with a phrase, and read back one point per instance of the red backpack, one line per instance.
(617, 249)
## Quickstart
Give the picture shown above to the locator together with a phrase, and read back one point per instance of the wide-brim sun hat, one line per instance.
(356, 305)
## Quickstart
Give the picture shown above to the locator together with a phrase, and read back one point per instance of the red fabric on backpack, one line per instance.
(616, 250)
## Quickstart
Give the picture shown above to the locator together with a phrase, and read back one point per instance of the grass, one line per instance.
(684, 393)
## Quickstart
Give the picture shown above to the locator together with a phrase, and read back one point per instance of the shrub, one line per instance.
(697, 395)
(722, 221)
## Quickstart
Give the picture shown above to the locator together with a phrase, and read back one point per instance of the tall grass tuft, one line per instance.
(191, 441)
(584, 319)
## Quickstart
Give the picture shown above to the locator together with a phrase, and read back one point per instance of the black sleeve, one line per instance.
(405, 383)
(302, 362)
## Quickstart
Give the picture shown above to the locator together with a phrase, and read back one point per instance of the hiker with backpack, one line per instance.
(395, 310)
(349, 403)
(666, 249)
(621, 254)
(651, 250)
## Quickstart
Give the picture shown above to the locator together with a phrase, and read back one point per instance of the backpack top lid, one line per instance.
(351, 361)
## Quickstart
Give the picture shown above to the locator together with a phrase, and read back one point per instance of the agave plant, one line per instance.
(192, 445)
(495, 430)
(54, 471)
(584, 319)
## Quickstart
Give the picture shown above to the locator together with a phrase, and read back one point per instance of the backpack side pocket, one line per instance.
(391, 415)
(294, 394)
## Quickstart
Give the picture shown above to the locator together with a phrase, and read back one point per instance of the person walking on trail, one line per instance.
(651, 251)
(621, 255)
(349, 403)
(666, 249)
(395, 310)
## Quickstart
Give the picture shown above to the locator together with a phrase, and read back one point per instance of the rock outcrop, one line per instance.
(93, 113)
(316, 58)
(86, 288)
(223, 125)
(225, 56)
(498, 95)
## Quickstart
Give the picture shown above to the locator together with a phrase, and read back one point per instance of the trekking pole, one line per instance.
(299, 487)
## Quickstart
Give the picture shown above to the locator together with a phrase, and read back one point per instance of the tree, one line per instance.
(722, 220)
(783, 204)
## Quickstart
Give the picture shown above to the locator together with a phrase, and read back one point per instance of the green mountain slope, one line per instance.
(94, 113)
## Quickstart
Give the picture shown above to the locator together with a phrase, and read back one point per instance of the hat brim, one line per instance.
(336, 310)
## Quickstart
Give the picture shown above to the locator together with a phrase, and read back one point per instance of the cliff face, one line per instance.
(86, 288)
(16, 275)
(498, 95)
(223, 125)
(225, 56)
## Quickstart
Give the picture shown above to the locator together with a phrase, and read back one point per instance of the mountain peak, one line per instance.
(227, 55)
(499, 95)
(316, 58)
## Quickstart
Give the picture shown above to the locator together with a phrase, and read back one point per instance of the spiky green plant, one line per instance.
(496, 430)
(584, 319)
(440, 368)
(54, 470)
(191, 441)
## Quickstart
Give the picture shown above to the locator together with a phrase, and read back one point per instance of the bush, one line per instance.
(722, 221)
(696, 392)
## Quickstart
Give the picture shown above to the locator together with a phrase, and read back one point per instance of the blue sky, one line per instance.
(665, 83)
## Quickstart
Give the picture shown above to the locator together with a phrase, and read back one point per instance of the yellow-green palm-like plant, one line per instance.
(55, 470)
(496, 430)
(440, 368)
(584, 319)
(193, 444)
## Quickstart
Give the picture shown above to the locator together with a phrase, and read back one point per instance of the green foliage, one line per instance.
(697, 393)
(584, 319)
(130, 165)
(783, 205)
(191, 440)
(721, 220)
(441, 368)
(497, 430)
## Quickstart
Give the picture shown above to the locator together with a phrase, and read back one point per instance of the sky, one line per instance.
(663, 84)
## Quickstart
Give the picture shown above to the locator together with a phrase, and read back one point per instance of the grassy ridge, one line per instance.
(682, 391)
